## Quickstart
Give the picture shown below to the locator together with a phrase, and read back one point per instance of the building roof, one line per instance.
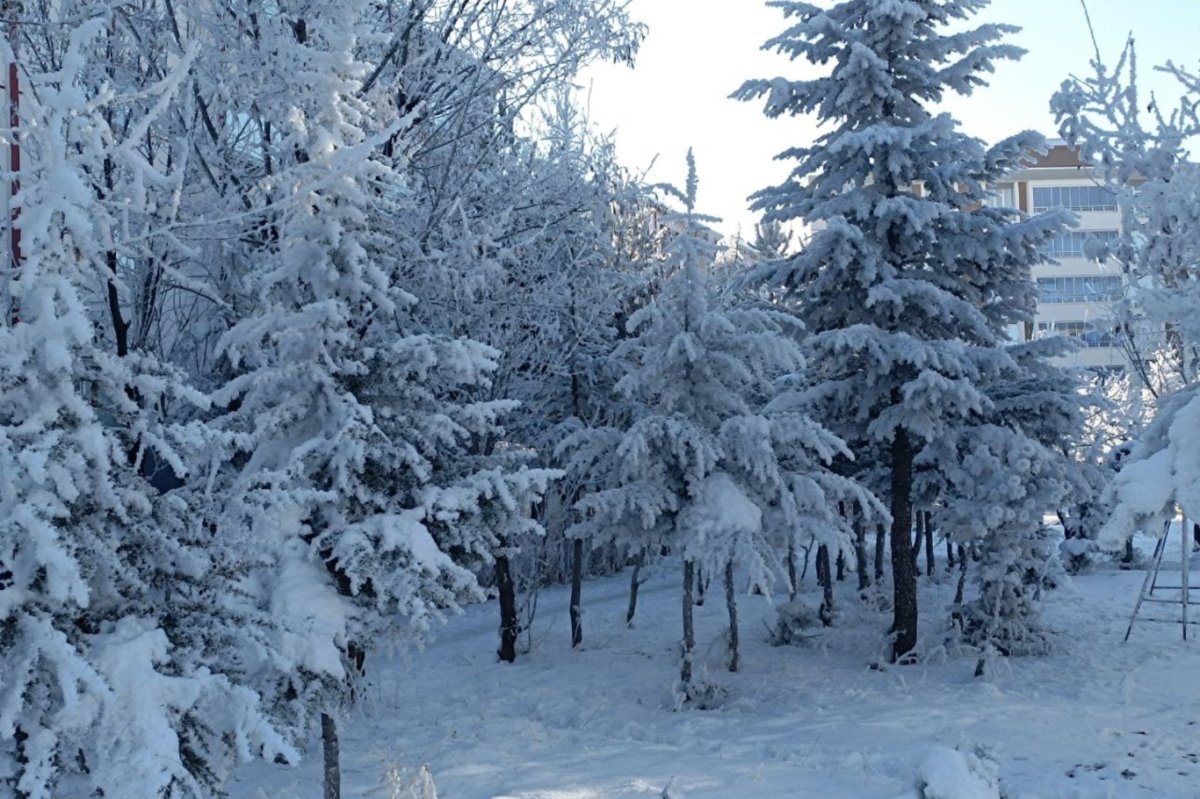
(1057, 157)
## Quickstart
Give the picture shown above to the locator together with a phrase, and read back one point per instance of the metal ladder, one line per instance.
(1150, 584)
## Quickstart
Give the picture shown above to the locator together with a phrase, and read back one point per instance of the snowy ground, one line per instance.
(1098, 719)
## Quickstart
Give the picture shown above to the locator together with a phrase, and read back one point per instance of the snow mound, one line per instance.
(953, 774)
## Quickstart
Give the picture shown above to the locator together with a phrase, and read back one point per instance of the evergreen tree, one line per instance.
(115, 632)
(707, 467)
(908, 279)
(999, 476)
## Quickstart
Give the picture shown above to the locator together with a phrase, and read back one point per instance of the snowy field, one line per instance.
(1097, 719)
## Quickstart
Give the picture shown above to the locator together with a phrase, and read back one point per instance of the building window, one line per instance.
(1074, 244)
(1089, 335)
(1075, 198)
(1078, 289)
(1002, 197)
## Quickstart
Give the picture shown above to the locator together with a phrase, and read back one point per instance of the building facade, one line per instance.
(1076, 291)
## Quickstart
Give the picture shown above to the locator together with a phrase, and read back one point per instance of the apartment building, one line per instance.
(1075, 292)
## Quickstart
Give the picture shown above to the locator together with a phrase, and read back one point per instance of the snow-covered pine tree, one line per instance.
(705, 467)
(907, 280)
(110, 682)
(998, 477)
(771, 241)
(348, 474)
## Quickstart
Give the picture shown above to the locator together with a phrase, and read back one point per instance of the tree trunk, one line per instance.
(825, 578)
(1128, 559)
(689, 631)
(510, 626)
(731, 604)
(701, 587)
(22, 756)
(333, 767)
(841, 565)
(807, 554)
(962, 576)
(929, 564)
(949, 554)
(860, 555)
(904, 578)
(879, 539)
(634, 584)
(793, 583)
(918, 539)
(577, 595)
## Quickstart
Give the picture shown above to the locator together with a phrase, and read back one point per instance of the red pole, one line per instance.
(14, 151)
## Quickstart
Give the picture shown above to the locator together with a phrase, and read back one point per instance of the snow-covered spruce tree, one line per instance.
(906, 281)
(1158, 188)
(348, 428)
(705, 468)
(110, 683)
(771, 241)
(998, 477)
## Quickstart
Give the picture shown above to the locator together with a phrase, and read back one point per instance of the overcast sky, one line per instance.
(698, 51)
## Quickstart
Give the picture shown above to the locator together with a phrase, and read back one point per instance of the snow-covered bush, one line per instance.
(795, 623)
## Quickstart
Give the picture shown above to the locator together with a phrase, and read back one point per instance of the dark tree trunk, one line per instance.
(825, 579)
(577, 595)
(929, 563)
(860, 555)
(949, 554)
(689, 631)
(841, 565)
(510, 626)
(731, 604)
(793, 583)
(1128, 551)
(634, 584)
(22, 757)
(962, 576)
(333, 766)
(879, 549)
(904, 578)
(918, 539)
(701, 586)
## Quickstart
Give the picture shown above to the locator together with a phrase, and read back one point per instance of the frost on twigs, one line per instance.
(400, 783)
(699, 693)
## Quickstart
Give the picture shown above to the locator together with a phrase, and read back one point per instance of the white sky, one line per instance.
(698, 51)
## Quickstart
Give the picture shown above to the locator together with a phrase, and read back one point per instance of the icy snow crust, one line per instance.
(1097, 719)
